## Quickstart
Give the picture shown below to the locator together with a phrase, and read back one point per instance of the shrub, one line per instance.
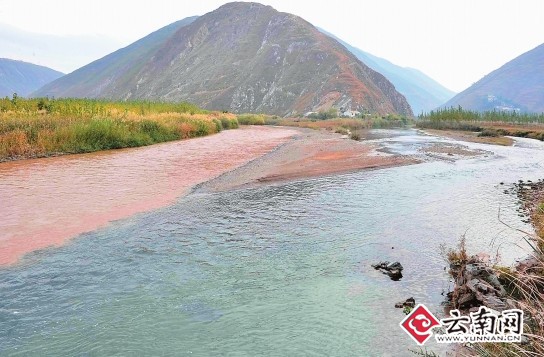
(355, 136)
(341, 130)
(251, 119)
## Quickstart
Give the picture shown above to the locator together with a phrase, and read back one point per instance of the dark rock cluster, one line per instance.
(409, 303)
(476, 284)
(393, 270)
(529, 193)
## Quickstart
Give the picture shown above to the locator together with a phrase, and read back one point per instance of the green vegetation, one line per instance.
(42, 127)
(252, 119)
(488, 124)
(344, 125)
(462, 115)
(324, 114)
(355, 136)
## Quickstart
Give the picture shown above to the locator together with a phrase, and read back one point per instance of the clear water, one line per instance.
(280, 270)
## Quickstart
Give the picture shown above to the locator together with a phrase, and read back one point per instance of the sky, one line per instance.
(456, 42)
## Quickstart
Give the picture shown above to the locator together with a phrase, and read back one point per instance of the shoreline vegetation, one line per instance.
(522, 285)
(488, 127)
(349, 127)
(45, 127)
(41, 127)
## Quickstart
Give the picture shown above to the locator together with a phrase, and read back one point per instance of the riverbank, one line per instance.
(469, 136)
(312, 153)
(36, 128)
(507, 287)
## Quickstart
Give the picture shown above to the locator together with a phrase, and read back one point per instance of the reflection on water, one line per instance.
(273, 270)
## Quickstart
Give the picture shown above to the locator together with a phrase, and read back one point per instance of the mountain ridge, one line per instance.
(23, 77)
(242, 57)
(517, 85)
(422, 92)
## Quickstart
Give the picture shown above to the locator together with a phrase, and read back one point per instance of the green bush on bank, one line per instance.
(40, 127)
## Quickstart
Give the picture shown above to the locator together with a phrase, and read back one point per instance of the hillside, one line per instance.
(519, 84)
(422, 92)
(242, 57)
(23, 78)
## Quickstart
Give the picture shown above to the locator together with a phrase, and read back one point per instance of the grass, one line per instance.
(343, 125)
(252, 119)
(524, 287)
(462, 115)
(43, 127)
(487, 124)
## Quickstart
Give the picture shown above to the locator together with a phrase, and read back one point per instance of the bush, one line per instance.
(251, 119)
(227, 123)
(341, 130)
(323, 115)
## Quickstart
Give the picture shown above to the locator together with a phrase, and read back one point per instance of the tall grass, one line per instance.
(42, 127)
(252, 119)
(463, 115)
(524, 286)
(492, 123)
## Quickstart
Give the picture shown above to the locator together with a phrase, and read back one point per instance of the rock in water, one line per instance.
(410, 302)
(394, 269)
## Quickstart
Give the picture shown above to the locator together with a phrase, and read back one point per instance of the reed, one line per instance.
(524, 284)
(43, 127)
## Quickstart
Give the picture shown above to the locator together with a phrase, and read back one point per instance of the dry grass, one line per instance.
(471, 137)
(525, 286)
(75, 126)
(345, 123)
(489, 132)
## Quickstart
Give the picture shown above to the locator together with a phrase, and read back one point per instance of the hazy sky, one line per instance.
(456, 42)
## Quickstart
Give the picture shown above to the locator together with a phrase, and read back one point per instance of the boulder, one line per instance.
(476, 284)
(410, 302)
(395, 266)
(394, 269)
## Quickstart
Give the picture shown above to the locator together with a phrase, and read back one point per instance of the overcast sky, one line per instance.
(456, 42)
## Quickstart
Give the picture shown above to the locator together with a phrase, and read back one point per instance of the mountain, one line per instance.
(106, 77)
(422, 92)
(518, 85)
(23, 78)
(65, 52)
(242, 57)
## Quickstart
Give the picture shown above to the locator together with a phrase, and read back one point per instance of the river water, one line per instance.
(276, 270)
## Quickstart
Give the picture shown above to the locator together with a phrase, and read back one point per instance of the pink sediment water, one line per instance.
(45, 202)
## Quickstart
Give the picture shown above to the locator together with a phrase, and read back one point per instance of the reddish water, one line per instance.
(44, 202)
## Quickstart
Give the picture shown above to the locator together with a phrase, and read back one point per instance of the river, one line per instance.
(275, 270)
